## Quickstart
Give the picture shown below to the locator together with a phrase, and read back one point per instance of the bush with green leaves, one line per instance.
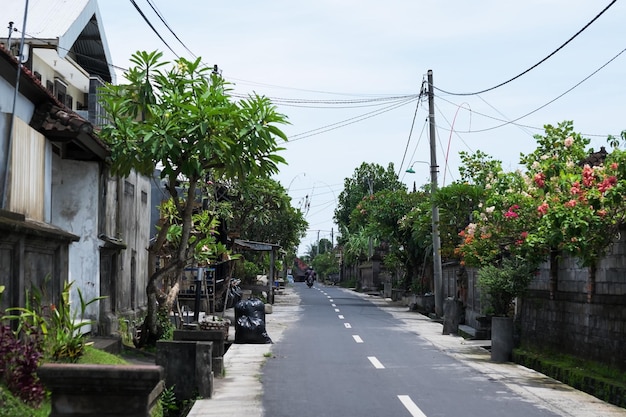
(59, 326)
(500, 284)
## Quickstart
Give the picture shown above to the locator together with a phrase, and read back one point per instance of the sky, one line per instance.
(348, 75)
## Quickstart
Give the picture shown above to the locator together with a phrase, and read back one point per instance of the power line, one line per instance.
(513, 122)
(408, 141)
(538, 63)
(169, 28)
(346, 122)
(145, 18)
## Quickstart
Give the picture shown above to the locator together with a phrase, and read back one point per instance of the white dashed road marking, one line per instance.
(376, 362)
(347, 325)
(411, 406)
(357, 338)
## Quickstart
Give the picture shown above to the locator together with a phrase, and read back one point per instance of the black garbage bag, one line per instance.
(250, 322)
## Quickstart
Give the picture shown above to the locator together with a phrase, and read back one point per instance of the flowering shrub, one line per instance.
(581, 203)
(567, 201)
(502, 224)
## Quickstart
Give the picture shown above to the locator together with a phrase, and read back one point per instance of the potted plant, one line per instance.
(499, 285)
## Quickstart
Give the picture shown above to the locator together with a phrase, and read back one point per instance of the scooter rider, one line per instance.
(309, 276)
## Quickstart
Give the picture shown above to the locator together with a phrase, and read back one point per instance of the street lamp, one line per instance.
(410, 170)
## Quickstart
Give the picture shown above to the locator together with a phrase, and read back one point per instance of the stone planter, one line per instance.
(217, 351)
(501, 339)
(188, 367)
(209, 324)
(424, 304)
(102, 390)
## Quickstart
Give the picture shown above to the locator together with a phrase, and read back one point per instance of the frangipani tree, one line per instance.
(180, 117)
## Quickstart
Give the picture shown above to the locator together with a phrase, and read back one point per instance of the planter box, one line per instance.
(188, 367)
(217, 351)
(425, 304)
(501, 339)
(102, 390)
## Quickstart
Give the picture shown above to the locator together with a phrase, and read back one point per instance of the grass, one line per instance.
(93, 355)
(600, 380)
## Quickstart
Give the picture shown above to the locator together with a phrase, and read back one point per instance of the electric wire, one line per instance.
(160, 16)
(335, 103)
(347, 122)
(145, 18)
(416, 145)
(538, 63)
(408, 141)
(513, 122)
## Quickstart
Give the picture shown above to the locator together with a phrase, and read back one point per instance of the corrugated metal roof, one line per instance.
(72, 26)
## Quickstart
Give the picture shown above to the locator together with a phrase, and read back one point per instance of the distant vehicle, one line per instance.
(290, 278)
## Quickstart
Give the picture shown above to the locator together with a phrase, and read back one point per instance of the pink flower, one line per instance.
(511, 214)
(571, 203)
(588, 176)
(614, 166)
(575, 190)
(607, 183)
(569, 142)
(540, 179)
(543, 208)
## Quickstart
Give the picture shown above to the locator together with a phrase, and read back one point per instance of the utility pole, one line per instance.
(437, 271)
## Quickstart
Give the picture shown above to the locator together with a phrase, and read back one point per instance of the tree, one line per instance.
(262, 212)
(380, 216)
(367, 179)
(325, 264)
(183, 120)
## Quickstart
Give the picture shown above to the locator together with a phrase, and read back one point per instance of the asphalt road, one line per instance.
(347, 357)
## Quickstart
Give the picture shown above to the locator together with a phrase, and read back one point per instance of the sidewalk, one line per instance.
(239, 393)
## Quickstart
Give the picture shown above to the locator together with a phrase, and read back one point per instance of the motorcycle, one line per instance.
(309, 281)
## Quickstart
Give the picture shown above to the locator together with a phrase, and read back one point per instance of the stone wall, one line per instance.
(564, 320)
(557, 315)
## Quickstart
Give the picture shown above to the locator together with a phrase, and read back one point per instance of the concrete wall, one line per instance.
(75, 208)
(127, 202)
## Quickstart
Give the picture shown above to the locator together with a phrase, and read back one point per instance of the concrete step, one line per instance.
(108, 344)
